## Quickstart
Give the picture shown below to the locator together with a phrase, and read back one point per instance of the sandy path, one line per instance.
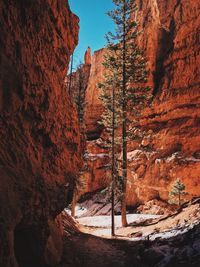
(182, 250)
(100, 225)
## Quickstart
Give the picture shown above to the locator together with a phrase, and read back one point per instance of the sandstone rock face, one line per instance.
(79, 81)
(87, 57)
(171, 147)
(39, 133)
(173, 120)
(94, 106)
(96, 175)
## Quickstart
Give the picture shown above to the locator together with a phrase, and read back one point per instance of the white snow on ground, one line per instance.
(178, 156)
(172, 157)
(105, 221)
(181, 229)
(138, 154)
(93, 157)
(192, 159)
(134, 154)
(103, 226)
(79, 211)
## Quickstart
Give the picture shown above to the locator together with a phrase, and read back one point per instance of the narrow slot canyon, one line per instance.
(68, 165)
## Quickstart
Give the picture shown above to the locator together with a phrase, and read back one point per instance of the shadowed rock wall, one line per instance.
(39, 133)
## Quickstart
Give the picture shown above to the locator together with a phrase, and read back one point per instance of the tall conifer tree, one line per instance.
(126, 75)
(79, 97)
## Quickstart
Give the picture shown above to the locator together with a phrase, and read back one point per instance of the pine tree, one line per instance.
(78, 84)
(79, 97)
(177, 190)
(109, 117)
(126, 75)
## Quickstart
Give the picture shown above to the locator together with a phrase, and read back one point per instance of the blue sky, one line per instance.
(94, 24)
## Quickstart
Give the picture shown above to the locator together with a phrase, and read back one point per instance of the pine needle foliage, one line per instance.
(123, 90)
(177, 191)
(79, 97)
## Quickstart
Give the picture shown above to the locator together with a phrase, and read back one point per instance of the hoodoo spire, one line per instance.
(87, 57)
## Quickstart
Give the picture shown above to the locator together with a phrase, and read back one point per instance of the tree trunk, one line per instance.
(70, 77)
(123, 211)
(179, 199)
(73, 205)
(79, 96)
(113, 213)
(113, 164)
(124, 133)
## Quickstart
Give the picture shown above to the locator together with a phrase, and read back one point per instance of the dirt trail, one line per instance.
(183, 250)
(144, 227)
(89, 251)
(83, 250)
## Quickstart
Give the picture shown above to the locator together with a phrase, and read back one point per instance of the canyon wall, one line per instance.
(39, 133)
(171, 147)
(94, 107)
(171, 150)
(95, 174)
(77, 83)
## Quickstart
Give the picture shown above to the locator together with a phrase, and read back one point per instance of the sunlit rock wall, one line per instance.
(171, 148)
(94, 106)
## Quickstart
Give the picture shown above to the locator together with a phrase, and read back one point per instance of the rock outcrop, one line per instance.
(171, 147)
(94, 106)
(86, 78)
(78, 81)
(87, 57)
(95, 174)
(39, 133)
(171, 150)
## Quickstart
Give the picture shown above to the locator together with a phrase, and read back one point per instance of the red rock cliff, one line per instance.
(174, 117)
(39, 134)
(94, 107)
(78, 80)
(172, 148)
(87, 57)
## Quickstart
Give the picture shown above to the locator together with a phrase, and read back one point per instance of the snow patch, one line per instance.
(79, 211)
(105, 221)
(138, 154)
(192, 159)
(134, 154)
(172, 157)
(93, 157)
(181, 229)
(158, 161)
(175, 156)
